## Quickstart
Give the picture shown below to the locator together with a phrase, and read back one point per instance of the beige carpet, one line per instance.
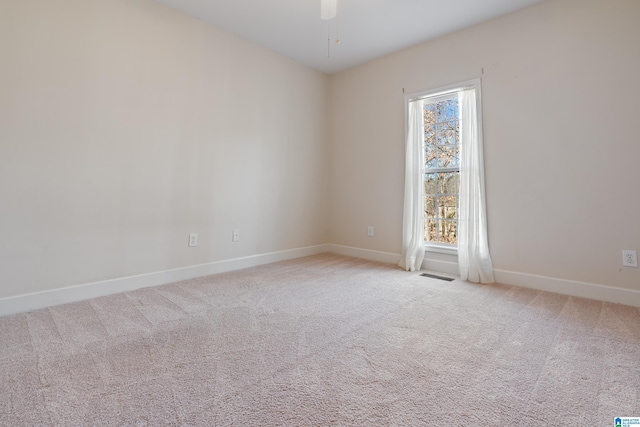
(324, 340)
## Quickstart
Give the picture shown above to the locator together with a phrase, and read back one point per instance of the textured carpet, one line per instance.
(324, 340)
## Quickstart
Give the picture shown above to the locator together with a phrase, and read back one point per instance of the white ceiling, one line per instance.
(368, 28)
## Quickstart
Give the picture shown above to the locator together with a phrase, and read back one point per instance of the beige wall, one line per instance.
(561, 111)
(124, 126)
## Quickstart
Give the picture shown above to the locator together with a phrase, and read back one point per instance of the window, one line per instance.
(442, 168)
(444, 198)
(444, 123)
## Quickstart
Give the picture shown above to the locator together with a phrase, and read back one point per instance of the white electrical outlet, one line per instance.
(370, 231)
(236, 236)
(630, 258)
(193, 239)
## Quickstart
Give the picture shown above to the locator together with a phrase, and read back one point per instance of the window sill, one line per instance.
(449, 250)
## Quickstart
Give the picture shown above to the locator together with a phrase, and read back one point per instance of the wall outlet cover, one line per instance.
(630, 259)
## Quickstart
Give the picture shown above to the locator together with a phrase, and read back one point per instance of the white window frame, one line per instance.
(431, 93)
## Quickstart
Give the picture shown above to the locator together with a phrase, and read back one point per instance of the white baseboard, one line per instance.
(387, 257)
(391, 258)
(532, 281)
(447, 267)
(34, 301)
(569, 287)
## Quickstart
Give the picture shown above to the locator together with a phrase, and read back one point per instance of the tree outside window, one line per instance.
(442, 168)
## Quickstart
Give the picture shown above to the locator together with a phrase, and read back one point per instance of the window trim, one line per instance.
(441, 248)
(444, 91)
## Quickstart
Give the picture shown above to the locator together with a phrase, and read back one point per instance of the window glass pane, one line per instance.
(448, 183)
(431, 158)
(457, 132)
(440, 134)
(430, 207)
(452, 134)
(429, 135)
(430, 110)
(430, 230)
(455, 156)
(447, 207)
(430, 183)
(448, 156)
(446, 133)
(446, 110)
(448, 231)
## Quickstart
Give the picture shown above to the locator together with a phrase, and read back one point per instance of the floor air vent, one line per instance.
(433, 276)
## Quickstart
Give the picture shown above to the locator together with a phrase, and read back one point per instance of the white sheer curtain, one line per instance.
(413, 221)
(473, 246)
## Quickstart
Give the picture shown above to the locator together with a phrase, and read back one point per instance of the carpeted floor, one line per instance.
(319, 341)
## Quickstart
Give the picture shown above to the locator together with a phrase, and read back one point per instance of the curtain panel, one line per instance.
(413, 217)
(473, 245)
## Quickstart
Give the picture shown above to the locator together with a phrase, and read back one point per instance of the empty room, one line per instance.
(319, 212)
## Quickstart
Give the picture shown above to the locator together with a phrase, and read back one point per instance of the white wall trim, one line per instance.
(447, 267)
(388, 257)
(34, 301)
(532, 281)
(569, 287)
